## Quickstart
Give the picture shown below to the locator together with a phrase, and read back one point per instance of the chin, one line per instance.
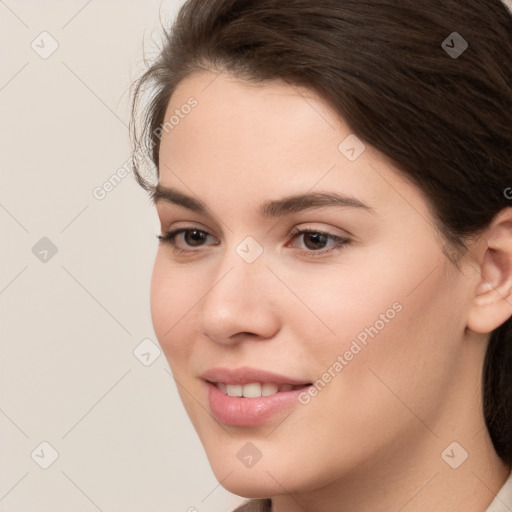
(266, 478)
(249, 483)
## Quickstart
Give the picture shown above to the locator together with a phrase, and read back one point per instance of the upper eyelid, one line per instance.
(304, 226)
(293, 232)
(167, 211)
(189, 227)
(164, 209)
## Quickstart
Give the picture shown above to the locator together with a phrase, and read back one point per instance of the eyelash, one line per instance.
(341, 242)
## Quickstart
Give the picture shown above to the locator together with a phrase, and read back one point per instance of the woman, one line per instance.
(333, 283)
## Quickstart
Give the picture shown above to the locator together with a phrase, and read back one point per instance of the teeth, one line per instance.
(234, 389)
(269, 389)
(253, 389)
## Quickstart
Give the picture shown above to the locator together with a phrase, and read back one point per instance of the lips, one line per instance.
(247, 397)
(247, 375)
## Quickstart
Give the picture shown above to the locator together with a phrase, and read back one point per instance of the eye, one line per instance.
(315, 240)
(193, 238)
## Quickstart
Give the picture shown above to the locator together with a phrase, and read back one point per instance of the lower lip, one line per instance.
(249, 412)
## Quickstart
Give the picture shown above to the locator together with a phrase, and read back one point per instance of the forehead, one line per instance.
(245, 140)
(252, 114)
(248, 128)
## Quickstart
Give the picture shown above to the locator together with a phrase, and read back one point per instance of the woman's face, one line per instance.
(365, 306)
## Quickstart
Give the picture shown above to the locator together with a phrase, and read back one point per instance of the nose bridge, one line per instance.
(241, 268)
(239, 300)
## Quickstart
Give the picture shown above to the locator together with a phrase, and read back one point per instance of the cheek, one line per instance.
(336, 305)
(402, 364)
(387, 320)
(172, 300)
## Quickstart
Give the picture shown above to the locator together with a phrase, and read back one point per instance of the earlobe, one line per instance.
(491, 305)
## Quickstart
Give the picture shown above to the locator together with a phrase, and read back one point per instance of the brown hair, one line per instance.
(444, 120)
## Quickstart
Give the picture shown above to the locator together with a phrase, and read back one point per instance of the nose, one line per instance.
(240, 303)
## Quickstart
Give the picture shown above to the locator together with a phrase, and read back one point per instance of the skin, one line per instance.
(372, 438)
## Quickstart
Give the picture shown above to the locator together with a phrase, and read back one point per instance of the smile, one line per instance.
(254, 389)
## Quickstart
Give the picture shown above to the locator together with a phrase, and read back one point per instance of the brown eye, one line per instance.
(194, 237)
(314, 240)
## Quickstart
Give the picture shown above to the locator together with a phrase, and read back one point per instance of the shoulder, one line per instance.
(254, 506)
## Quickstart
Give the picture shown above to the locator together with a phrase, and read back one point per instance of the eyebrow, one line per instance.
(271, 208)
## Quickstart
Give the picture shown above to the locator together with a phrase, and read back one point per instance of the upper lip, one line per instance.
(247, 375)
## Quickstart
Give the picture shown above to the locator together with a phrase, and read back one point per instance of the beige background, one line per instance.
(71, 322)
(69, 326)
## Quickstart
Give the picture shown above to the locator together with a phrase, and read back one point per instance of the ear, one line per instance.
(491, 305)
